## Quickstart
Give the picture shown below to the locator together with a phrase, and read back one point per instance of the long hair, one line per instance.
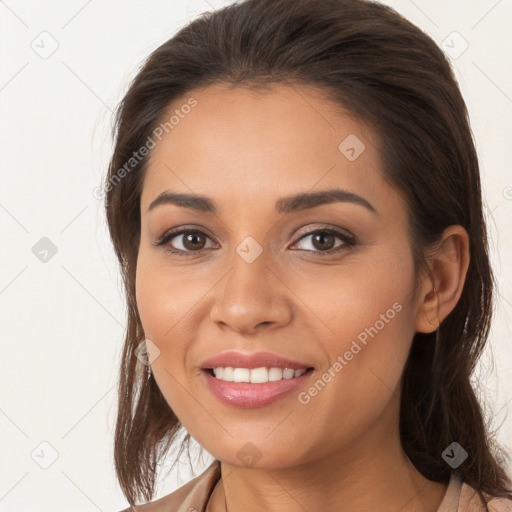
(387, 73)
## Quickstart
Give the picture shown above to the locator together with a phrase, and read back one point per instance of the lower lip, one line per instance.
(247, 395)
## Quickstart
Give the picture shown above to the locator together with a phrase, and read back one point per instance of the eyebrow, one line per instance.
(284, 205)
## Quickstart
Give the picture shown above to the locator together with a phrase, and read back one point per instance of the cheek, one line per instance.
(361, 301)
(381, 316)
(367, 322)
(163, 298)
(368, 313)
(152, 302)
(162, 310)
(168, 302)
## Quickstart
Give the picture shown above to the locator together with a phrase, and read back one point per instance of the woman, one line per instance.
(294, 198)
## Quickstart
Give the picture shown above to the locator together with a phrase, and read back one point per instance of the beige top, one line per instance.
(194, 496)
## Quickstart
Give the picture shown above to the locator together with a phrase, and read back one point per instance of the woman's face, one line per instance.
(261, 274)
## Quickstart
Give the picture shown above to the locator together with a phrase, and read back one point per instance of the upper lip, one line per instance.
(252, 360)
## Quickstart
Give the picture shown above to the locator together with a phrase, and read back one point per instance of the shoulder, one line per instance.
(470, 502)
(500, 505)
(192, 496)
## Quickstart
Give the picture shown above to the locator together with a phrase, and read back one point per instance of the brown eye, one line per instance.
(194, 241)
(184, 242)
(323, 241)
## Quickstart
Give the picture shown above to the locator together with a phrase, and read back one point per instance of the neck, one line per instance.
(366, 476)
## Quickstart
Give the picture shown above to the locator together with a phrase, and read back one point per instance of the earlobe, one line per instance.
(443, 287)
(428, 316)
(435, 324)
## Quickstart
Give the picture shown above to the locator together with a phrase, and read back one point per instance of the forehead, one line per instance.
(243, 145)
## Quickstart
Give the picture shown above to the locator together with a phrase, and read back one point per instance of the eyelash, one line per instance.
(348, 241)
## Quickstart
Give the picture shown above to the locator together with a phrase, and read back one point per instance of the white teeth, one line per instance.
(256, 375)
(227, 374)
(288, 373)
(259, 375)
(275, 374)
(241, 375)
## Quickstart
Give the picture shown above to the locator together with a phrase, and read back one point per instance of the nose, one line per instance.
(251, 297)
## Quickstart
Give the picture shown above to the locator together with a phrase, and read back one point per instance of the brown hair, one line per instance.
(389, 74)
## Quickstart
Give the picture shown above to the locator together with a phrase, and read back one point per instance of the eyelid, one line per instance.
(179, 230)
(170, 234)
(324, 227)
(346, 236)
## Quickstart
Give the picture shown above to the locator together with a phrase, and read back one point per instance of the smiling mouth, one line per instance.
(260, 375)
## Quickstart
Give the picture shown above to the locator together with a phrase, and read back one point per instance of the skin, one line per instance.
(246, 149)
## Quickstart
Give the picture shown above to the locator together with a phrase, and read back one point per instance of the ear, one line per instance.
(442, 289)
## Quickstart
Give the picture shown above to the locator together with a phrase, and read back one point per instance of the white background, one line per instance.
(62, 321)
